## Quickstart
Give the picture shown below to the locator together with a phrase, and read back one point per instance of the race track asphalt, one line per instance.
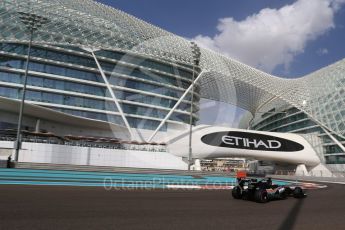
(58, 207)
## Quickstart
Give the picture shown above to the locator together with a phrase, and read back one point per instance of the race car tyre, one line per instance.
(236, 192)
(261, 196)
(280, 194)
(288, 191)
(298, 193)
(245, 195)
(283, 195)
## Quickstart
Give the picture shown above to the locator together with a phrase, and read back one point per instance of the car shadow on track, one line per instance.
(291, 218)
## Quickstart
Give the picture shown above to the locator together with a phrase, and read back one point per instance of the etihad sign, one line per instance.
(251, 141)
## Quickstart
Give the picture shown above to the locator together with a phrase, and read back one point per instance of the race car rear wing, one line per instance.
(241, 174)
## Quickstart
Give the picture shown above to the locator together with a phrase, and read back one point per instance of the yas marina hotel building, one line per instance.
(101, 87)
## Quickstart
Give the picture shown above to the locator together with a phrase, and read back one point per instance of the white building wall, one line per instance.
(75, 155)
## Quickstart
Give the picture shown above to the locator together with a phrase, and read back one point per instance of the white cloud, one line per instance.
(273, 36)
(322, 51)
(336, 4)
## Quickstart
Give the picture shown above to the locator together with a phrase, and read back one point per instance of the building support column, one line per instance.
(301, 170)
(175, 106)
(334, 139)
(325, 129)
(118, 106)
(37, 127)
(18, 143)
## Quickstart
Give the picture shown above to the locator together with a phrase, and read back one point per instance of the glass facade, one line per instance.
(294, 120)
(67, 79)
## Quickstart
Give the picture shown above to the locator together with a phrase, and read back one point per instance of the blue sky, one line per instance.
(194, 17)
(294, 37)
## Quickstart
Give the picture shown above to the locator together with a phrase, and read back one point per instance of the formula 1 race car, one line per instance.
(263, 190)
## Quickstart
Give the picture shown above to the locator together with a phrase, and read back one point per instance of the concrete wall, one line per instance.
(5, 153)
(63, 154)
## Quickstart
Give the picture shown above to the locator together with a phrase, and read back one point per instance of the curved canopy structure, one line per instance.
(85, 23)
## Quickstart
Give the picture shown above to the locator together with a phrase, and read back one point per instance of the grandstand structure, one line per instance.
(95, 71)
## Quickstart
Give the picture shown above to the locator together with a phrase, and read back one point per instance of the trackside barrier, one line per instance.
(88, 168)
(3, 164)
(309, 178)
(313, 173)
